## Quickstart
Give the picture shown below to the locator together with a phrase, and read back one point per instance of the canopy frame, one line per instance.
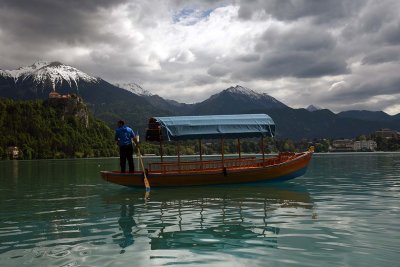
(210, 127)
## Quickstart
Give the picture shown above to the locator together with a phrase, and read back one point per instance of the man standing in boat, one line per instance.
(125, 137)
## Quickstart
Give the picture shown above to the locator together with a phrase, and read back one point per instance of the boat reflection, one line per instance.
(126, 223)
(210, 218)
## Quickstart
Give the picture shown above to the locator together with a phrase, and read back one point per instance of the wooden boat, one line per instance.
(284, 166)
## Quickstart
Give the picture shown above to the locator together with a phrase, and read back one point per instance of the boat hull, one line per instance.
(273, 173)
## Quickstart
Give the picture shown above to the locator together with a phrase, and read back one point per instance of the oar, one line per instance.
(146, 182)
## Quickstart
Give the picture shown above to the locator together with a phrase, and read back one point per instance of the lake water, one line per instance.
(344, 212)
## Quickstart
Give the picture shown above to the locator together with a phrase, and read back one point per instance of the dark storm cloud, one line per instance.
(382, 55)
(321, 11)
(295, 64)
(248, 58)
(302, 37)
(203, 79)
(303, 51)
(356, 40)
(218, 71)
(306, 45)
(391, 34)
(42, 21)
(50, 29)
(198, 4)
(375, 85)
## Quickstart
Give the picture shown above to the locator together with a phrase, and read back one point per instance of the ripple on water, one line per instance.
(343, 212)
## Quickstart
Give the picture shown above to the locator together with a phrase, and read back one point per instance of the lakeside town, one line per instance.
(384, 140)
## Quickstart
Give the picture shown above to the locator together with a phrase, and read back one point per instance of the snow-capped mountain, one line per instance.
(170, 106)
(108, 102)
(236, 100)
(135, 105)
(251, 94)
(134, 88)
(240, 90)
(44, 73)
(4, 74)
(312, 108)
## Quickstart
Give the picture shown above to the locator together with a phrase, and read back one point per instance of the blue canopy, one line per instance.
(210, 127)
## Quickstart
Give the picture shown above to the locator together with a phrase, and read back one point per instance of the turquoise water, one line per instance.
(344, 212)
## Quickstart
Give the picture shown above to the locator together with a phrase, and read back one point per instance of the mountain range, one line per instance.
(111, 102)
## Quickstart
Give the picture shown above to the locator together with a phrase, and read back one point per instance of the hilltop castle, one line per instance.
(72, 104)
(56, 97)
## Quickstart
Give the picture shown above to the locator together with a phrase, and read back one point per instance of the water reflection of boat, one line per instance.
(287, 195)
(226, 236)
(213, 218)
(126, 223)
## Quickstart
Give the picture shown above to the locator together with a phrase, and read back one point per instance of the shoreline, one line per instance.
(214, 155)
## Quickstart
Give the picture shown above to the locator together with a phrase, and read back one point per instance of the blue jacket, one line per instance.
(124, 135)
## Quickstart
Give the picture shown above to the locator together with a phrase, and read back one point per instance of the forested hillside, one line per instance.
(41, 129)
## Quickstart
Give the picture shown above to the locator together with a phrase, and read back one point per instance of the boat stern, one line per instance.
(104, 175)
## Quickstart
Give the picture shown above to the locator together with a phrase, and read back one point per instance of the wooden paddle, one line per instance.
(146, 182)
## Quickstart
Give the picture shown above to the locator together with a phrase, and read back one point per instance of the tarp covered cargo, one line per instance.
(210, 127)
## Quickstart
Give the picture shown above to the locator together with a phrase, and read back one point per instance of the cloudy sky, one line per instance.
(337, 54)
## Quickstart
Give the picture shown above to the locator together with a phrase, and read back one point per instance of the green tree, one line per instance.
(43, 130)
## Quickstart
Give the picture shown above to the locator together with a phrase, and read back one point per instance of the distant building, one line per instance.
(13, 152)
(387, 133)
(54, 94)
(365, 145)
(344, 145)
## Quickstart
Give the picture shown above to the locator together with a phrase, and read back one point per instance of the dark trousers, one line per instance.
(126, 154)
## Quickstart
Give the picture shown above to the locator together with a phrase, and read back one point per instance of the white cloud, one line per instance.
(392, 110)
(337, 86)
(338, 54)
